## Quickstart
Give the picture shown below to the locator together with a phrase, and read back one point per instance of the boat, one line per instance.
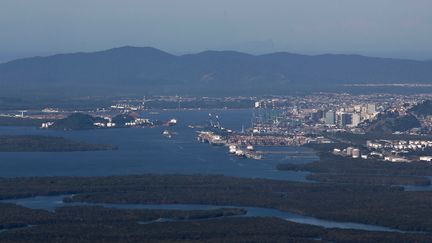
(172, 122)
(168, 134)
(240, 153)
(250, 148)
(252, 155)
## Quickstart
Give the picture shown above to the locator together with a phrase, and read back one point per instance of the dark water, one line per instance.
(145, 150)
(50, 203)
(419, 188)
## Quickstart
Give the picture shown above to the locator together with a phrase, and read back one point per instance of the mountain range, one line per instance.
(146, 70)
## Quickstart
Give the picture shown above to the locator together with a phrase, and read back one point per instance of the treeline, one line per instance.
(376, 205)
(332, 168)
(330, 163)
(360, 139)
(422, 109)
(370, 179)
(97, 224)
(14, 216)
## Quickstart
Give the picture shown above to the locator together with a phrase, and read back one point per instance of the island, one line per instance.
(83, 121)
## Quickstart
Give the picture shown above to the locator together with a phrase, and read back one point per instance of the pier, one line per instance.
(290, 153)
(267, 140)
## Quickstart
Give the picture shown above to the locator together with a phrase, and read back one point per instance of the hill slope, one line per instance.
(422, 109)
(151, 71)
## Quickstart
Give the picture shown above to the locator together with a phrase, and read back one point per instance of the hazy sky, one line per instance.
(375, 27)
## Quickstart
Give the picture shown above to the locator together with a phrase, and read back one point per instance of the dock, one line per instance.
(290, 153)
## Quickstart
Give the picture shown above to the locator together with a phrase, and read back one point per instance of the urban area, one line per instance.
(388, 127)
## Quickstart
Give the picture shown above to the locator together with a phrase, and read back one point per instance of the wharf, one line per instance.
(291, 153)
(267, 140)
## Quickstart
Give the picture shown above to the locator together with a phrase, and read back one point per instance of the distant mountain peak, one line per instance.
(137, 50)
(147, 70)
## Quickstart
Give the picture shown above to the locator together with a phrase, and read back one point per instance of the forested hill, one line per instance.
(152, 71)
(423, 109)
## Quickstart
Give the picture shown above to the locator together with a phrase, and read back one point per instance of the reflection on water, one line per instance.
(411, 188)
(15, 228)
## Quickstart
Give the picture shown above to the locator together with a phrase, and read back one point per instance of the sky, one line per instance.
(388, 28)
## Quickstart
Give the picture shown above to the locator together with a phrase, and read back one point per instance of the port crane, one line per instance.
(214, 121)
(22, 113)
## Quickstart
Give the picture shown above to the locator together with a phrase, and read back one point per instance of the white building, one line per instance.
(355, 120)
(356, 153)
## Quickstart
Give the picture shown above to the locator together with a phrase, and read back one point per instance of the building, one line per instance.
(349, 151)
(317, 115)
(355, 120)
(330, 118)
(370, 109)
(355, 153)
(345, 119)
